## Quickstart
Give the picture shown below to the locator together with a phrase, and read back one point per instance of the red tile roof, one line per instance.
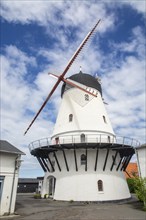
(131, 170)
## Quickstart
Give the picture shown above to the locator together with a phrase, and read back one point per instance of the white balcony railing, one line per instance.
(88, 138)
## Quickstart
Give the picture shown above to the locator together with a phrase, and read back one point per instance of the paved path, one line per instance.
(29, 208)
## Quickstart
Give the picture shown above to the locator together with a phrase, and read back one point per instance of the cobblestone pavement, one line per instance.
(28, 208)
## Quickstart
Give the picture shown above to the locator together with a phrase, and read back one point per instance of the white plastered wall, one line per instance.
(81, 185)
(9, 186)
(141, 154)
(87, 117)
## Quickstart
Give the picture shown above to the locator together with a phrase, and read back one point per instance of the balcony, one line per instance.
(87, 139)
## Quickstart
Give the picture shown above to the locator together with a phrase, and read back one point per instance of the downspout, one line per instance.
(13, 183)
(136, 152)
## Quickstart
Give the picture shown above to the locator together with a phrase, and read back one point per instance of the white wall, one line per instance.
(141, 157)
(87, 115)
(81, 185)
(9, 189)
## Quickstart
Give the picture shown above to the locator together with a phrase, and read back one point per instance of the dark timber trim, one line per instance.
(45, 163)
(42, 165)
(114, 159)
(124, 168)
(106, 159)
(76, 165)
(86, 160)
(51, 163)
(67, 168)
(119, 163)
(124, 162)
(95, 168)
(57, 161)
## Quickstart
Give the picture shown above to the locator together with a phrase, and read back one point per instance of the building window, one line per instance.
(70, 117)
(83, 159)
(104, 119)
(108, 139)
(57, 140)
(82, 138)
(86, 97)
(100, 185)
(1, 185)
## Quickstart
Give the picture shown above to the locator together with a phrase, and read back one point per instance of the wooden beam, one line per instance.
(76, 165)
(119, 164)
(45, 163)
(125, 166)
(42, 165)
(106, 159)
(51, 163)
(96, 159)
(124, 162)
(57, 161)
(67, 168)
(114, 159)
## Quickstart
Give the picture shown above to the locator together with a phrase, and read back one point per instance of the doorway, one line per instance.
(51, 186)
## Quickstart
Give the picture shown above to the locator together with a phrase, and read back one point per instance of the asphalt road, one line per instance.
(28, 208)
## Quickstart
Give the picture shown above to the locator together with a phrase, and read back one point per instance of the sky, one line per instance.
(38, 37)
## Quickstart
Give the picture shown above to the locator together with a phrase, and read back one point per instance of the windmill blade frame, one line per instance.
(64, 72)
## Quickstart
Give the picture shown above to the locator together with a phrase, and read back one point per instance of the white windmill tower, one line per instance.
(84, 160)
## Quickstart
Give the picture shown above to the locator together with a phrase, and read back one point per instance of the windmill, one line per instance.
(83, 160)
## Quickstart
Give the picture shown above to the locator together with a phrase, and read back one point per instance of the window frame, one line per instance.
(2, 178)
(70, 117)
(104, 119)
(86, 97)
(83, 159)
(100, 186)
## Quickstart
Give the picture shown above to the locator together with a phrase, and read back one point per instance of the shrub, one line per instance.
(131, 184)
(37, 196)
(71, 201)
(46, 196)
(140, 190)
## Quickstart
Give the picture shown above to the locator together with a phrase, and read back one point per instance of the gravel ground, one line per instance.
(28, 208)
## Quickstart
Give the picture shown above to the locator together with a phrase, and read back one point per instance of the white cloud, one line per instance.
(125, 93)
(135, 44)
(18, 97)
(140, 6)
(52, 14)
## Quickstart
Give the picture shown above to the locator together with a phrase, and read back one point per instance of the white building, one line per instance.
(141, 160)
(10, 159)
(84, 160)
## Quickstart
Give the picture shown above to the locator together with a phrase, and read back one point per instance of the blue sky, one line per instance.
(38, 37)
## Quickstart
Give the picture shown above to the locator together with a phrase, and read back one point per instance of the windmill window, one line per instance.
(86, 97)
(100, 185)
(83, 159)
(57, 140)
(70, 117)
(104, 119)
